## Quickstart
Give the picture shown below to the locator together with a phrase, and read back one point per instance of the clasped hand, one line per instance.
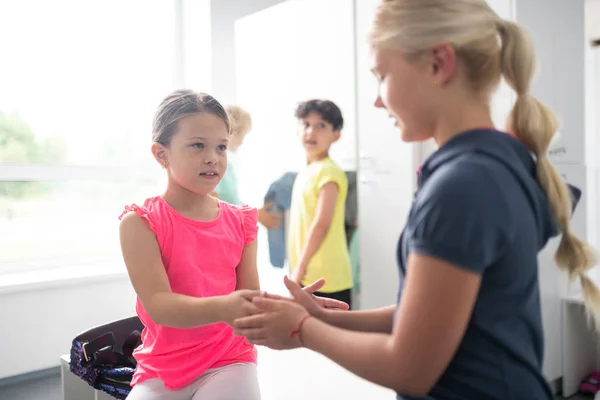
(277, 317)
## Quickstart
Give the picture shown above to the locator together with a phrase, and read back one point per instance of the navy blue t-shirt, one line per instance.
(478, 205)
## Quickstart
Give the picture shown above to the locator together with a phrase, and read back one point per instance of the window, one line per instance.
(80, 82)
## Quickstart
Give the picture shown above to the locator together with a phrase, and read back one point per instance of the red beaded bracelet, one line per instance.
(297, 330)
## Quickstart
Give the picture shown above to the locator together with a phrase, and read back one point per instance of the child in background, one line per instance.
(317, 245)
(227, 189)
(241, 124)
(192, 261)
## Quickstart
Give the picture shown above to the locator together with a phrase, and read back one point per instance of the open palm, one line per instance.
(315, 305)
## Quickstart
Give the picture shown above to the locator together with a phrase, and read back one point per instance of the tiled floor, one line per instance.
(40, 389)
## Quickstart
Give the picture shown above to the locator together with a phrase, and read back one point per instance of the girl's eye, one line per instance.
(198, 145)
(222, 148)
(321, 125)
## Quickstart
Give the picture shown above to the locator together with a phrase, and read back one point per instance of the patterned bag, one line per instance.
(102, 356)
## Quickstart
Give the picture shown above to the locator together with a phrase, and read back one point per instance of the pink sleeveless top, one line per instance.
(200, 259)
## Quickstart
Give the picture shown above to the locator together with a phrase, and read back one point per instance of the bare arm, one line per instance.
(319, 227)
(379, 320)
(247, 273)
(414, 356)
(149, 279)
(333, 312)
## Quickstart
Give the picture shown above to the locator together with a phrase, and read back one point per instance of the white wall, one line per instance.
(37, 324)
(276, 72)
(224, 13)
(387, 177)
(592, 15)
(592, 111)
(558, 30)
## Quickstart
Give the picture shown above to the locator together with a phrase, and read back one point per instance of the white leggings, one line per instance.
(232, 382)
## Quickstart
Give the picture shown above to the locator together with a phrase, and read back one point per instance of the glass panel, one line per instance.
(47, 224)
(79, 82)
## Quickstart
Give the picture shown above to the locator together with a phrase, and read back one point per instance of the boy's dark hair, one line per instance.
(179, 104)
(329, 111)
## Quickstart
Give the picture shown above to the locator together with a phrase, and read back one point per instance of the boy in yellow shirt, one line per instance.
(317, 246)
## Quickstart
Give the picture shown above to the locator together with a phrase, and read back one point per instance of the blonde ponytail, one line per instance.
(472, 28)
(535, 125)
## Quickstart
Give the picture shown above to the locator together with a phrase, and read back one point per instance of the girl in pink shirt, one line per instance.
(192, 262)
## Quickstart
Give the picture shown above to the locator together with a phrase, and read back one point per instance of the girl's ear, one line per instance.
(160, 154)
(336, 135)
(442, 59)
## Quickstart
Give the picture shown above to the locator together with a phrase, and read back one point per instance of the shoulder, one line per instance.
(331, 166)
(468, 180)
(243, 213)
(141, 217)
(329, 171)
(241, 218)
(461, 214)
(237, 209)
(150, 205)
(132, 220)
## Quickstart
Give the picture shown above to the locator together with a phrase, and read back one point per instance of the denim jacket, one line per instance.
(280, 193)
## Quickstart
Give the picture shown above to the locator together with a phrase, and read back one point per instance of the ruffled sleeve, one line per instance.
(142, 212)
(249, 223)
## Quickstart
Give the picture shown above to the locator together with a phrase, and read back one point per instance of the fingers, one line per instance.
(270, 223)
(275, 216)
(251, 327)
(250, 308)
(272, 214)
(276, 297)
(334, 304)
(249, 294)
(246, 306)
(293, 287)
(315, 286)
(266, 304)
(252, 322)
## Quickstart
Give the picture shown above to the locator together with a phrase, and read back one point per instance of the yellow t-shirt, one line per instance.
(331, 261)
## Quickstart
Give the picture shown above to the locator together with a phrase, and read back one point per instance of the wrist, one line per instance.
(302, 330)
(297, 332)
(301, 270)
(221, 308)
(322, 314)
